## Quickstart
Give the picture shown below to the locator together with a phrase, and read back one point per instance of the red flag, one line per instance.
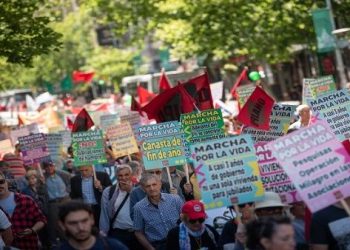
(242, 77)
(144, 95)
(163, 82)
(79, 76)
(82, 122)
(135, 106)
(20, 120)
(199, 89)
(256, 111)
(69, 123)
(187, 102)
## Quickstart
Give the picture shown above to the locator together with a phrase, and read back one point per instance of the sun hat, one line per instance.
(194, 210)
(271, 199)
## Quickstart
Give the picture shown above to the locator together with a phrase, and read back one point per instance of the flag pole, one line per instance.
(169, 177)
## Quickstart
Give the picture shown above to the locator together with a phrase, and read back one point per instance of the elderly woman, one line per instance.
(36, 189)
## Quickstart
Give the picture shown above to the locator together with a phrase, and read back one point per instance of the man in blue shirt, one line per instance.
(76, 220)
(155, 214)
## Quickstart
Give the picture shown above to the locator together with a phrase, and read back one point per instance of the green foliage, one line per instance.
(23, 33)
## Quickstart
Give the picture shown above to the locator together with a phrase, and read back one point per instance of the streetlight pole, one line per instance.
(338, 56)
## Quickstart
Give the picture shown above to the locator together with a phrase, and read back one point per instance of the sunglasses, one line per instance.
(2, 181)
(155, 172)
(244, 204)
(200, 220)
(270, 210)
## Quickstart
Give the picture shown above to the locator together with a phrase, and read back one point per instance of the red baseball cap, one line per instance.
(194, 210)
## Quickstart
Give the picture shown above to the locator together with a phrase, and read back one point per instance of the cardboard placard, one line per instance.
(227, 171)
(5, 147)
(122, 140)
(335, 109)
(321, 85)
(279, 123)
(88, 148)
(273, 176)
(55, 145)
(109, 120)
(161, 145)
(316, 162)
(34, 148)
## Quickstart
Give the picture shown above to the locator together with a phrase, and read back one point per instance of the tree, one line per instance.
(24, 33)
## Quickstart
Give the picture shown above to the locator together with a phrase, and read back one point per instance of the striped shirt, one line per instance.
(156, 222)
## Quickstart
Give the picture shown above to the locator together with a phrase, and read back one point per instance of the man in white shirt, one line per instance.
(6, 236)
(115, 220)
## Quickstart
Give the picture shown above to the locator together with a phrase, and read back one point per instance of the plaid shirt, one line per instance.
(25, 215)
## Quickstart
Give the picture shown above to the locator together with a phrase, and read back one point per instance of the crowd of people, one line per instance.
(67, 207)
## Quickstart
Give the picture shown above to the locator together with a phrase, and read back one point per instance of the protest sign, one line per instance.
(306, 93)
(217, 90)
(133, 118)
(34, 148)
(335, 109)
(66, 138)
(5, 147)
(279, 123)
(273, 177)
(122, 140)
(23, 131)
(55, 145)
(88, 148)
(227, 171)
(203, 126)
(316, 162)
(321, 85)
(161, 145)
(107, 121)
(244, 92)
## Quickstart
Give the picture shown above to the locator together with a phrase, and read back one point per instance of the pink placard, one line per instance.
(317, 163)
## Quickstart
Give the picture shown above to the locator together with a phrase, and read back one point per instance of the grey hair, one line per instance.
(134, 165)
(146, 177)
(119, 168)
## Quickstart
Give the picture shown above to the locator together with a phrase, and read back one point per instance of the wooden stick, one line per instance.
(169, 177)
(186, 173)
(94, 172)
(40, 170)
(238, 214)
(129, 157)
(345, 206)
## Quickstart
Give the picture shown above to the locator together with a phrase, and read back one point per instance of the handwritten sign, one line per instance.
(227, 171)
(279, 123)
(88, 148)
(108, 121)
(317, 163)
(34, 148)
(203, 126)
(335, 109)
(55, 145)
(122, 140)
(273, 177)
(5, 147)
(161, 145)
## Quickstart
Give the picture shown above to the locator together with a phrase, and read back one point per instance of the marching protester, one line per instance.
(190, 190)
(6, 236)
(115, 220)
(58, 189)
(156, 214)
(304, 113)
(175, 174)
(136, 171)
(298, 209)
(192, 233)
(76, 220)
(89, 188)
(270, 233)
(25, 216)
(138, 193)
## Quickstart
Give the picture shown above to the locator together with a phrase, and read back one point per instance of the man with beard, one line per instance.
(76, 219)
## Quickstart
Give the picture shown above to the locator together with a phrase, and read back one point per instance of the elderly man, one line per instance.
(156, 214)
(89, 188)
(304, 113)
(115, 218)
(25, 216)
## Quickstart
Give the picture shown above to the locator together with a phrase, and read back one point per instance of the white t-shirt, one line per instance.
(4, 224)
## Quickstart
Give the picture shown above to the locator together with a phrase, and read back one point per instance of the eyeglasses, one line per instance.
(155, 172)
(200, 220)
(2, 181)
(244, 204)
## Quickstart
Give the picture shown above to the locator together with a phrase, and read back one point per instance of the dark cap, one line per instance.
(47, 163)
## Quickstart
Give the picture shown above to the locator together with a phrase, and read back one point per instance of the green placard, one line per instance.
(88, 148)
(322, 85)
(323, 30)
(203, 126)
